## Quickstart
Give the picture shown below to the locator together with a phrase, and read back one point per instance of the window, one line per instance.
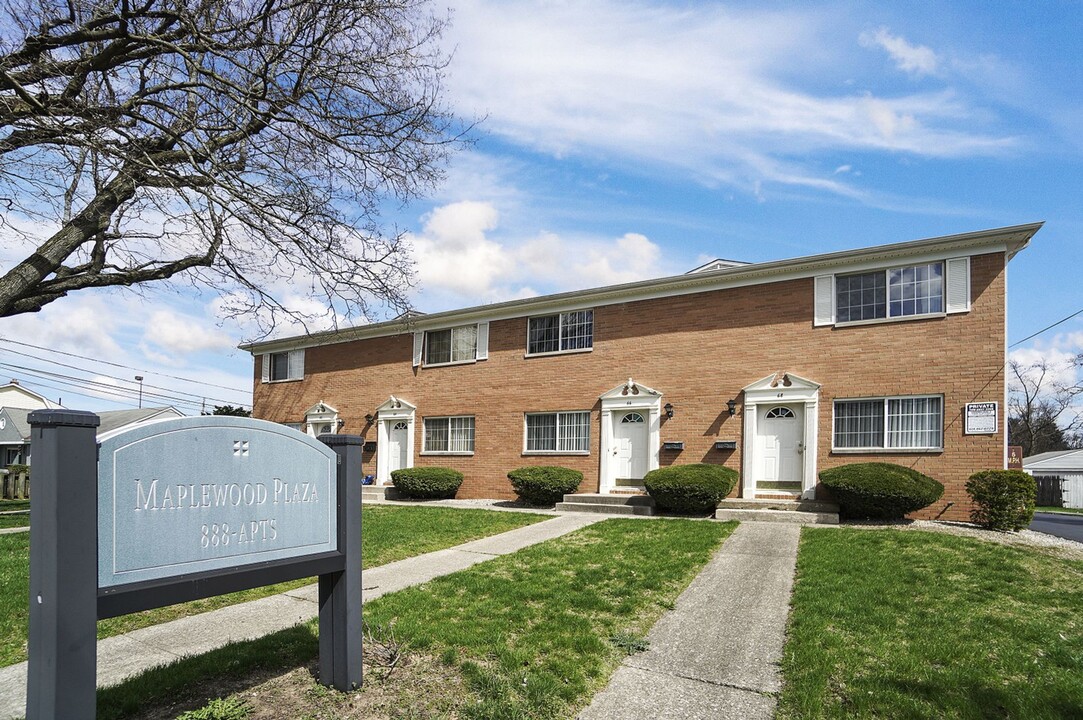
(449, 435)
(566, 432)
(566, 332)
(631, 418)
(458, 344)
(898, 292)
(902, 423)
(279, 366)
(779, 412)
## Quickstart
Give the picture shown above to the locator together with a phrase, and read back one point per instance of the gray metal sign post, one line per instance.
(215, 488)
(340, 592)
(62, 646)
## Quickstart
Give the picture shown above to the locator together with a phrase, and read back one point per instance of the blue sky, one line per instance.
(624, 140)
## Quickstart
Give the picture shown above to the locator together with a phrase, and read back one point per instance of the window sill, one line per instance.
(449, 364)
(446, 452)
(559, 352)
(580, 453)
(284, 380)
(885, 451)
(880, 321)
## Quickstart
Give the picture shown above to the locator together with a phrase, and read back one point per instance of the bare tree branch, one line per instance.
(245, 145)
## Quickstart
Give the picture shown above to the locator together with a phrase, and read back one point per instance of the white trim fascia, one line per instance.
(1008, 239)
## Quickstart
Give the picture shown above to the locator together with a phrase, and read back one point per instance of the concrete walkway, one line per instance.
(716, 654)
(126, 655)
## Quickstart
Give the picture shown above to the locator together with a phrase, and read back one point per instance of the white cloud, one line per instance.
(914, 59)
(181, 334)
(703, 89)
(460, 263)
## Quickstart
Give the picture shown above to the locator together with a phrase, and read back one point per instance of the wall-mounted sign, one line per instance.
(1015, 457)
(981, 418)
(206, 493)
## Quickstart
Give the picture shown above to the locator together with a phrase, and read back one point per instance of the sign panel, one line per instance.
(981, 418)
(1015, 457)
(204, 493)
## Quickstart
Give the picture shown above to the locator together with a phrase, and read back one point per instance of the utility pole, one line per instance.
(140, 379)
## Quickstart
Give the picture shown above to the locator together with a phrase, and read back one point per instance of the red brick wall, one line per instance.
(699, 351)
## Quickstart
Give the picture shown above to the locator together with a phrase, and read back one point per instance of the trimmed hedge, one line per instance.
(544, 484)
(690, 488)
(1003, 499)
(880, 490)
(427, 482)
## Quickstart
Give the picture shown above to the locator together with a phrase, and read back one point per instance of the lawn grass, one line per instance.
(532, 635)
(1075, 511)
(387, 534)
(920, 625)
(15, 520)
(14, 505)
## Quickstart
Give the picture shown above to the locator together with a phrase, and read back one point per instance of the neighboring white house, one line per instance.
(1065, 464)
(14, 395)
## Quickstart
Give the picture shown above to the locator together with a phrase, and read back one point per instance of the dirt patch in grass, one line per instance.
(419, 687)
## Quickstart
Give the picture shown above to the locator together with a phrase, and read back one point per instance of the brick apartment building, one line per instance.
(776, 369)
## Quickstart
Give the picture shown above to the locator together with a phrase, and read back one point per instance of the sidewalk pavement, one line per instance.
(716, 654)
(123, 656)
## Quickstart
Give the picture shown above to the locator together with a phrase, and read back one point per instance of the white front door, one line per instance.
(630, 445)
(397, 446)
(779, 444)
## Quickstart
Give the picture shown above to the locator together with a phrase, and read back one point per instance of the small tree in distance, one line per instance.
(230, 410)
(238, 145)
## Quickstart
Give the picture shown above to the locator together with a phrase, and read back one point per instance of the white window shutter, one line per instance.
(957, 285)
(825, 300)
(483, 341)
(297, 364)
(266, 367)
(419, 343)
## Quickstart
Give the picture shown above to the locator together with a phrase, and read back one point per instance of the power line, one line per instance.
(100, 387)
(114, 377)
(69, 391)
(1058, 322)
(119, 365)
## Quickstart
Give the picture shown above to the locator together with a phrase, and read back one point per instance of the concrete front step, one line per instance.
(609, 504)
(799, 512)
(379, 492)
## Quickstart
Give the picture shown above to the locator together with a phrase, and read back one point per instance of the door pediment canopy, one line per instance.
(321, 409)
(781, 386)
(631, 389)
(396, 404)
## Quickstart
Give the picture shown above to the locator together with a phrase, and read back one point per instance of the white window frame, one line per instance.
(557, 451)
(560, 333)
(883, 448)
(451, 331)
(888, 317)
(449, 418)
(295, 366)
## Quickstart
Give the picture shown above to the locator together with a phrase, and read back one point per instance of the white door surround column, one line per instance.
(628, 396)
(390, 412)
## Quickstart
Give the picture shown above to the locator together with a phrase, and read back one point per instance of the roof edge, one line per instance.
(1012, 239)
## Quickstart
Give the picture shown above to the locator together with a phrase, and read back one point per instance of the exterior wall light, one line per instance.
(732, 406)
(668, 407)
(368, 419)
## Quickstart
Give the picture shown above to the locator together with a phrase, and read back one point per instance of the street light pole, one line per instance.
(140, 379)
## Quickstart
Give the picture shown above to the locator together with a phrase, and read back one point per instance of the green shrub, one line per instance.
(427, 482)
(880, 490)
(690, 488)
(544, 485)
(17, 469)
(1003, 499)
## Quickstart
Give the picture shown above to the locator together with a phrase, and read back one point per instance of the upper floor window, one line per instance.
(897, 292)
(566, 432)
(288, 365)
(457, 344)
(899, 423)
(564, 332)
